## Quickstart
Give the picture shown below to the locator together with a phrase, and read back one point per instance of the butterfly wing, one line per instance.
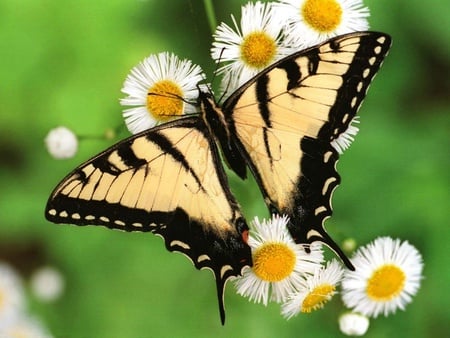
(285, 119)
(169, 181)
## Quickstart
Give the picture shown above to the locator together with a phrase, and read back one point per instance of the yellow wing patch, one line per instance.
(161, 182)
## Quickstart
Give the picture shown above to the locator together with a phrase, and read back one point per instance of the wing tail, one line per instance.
(327, 240)
(169, 181)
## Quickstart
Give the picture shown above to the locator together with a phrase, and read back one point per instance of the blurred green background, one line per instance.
(64, 62)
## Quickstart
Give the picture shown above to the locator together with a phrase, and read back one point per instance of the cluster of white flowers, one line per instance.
(387, 274)
(15, 321)
(162, 87)
(159, 86)
(279, 264)
(272, 30)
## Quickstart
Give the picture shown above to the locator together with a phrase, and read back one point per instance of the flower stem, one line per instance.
(210, 13)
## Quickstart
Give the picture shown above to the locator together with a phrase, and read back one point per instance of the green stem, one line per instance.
(210, 13)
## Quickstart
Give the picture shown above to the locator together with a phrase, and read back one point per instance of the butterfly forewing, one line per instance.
(286, 118)
(282, 124)
(167, 180)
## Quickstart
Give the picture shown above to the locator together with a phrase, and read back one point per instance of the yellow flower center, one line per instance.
(317, 298)
(386, 283)
(273, 262)
(258, 50)
(322, 15)
(164, 100)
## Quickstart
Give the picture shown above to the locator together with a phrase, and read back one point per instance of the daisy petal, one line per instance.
(309, 22)
(317, 290)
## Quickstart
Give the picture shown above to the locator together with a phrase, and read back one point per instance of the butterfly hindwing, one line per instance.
(167, 180)
(287, 117)
(282, 124)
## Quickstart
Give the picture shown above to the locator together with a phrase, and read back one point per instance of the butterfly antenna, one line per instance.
(216, 71)
(225, 92)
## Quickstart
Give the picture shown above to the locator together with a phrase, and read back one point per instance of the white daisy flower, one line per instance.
(12, 297)
(47, 283)
(344, 140)
(279, 264)
(353, 324)
(317, 290)
(310, 22)
(252, 47)
(61, 143)
(388, 273)
(158, 88)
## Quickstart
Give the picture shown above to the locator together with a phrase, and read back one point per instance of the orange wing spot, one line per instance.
(245, 236)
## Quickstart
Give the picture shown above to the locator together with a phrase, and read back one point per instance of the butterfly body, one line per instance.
(281, 124)
(223, 130)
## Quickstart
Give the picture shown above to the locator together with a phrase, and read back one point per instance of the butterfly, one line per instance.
(281, 124)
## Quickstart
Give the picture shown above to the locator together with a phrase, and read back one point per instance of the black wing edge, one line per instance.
(313, 196)
(224, 255)
(306, 226)
(368, 59)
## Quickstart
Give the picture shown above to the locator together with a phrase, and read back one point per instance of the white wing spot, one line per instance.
(180, 244)
(76, 216)
(52, 212)
(366, 72)
(224, 270)
(89, 217)
(104, 219)
(345, 118)
(377, 50)
(353, 103)
(63, 214)
(381, 40)
(372, 60)
(312, 233)
(119, 222)
(138, 225)
(326, 156)
(202, 258)
(327, 185)
(319, 210)
(359, 87)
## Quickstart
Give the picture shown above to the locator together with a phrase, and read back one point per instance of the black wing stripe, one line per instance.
(312, 97)
(263, 98)
(293, 73)
(129, 157)
(169, 148)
